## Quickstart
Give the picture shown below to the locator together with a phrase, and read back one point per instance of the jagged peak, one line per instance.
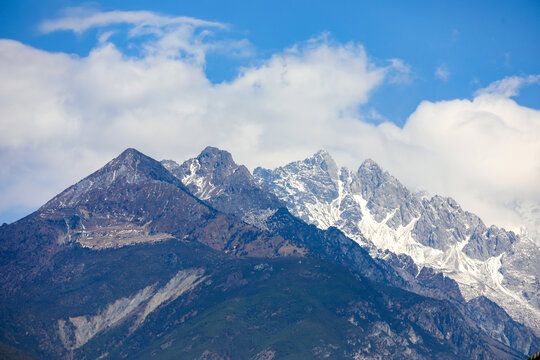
(134, 166)
(322, 155)
(322, 152)
(371, 170)
(371, 165)
(375, 174)
(261, 173)
(129, 157)
(216, 153)
(130, 167)
(324, 160)
(439, 200)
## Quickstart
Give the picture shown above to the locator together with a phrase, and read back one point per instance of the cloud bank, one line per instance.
(64, 116)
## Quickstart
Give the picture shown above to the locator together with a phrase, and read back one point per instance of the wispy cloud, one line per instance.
(399, 72)
(442, 72)
(455, 35)
(79, 20)
(508, 86)
(161, 35)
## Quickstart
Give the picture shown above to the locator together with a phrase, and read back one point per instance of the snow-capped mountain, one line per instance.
(435, 232)
(232, 189)
(235, 191)
(128, 263)
(214, 177)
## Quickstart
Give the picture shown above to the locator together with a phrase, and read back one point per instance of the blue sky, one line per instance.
(443, 94)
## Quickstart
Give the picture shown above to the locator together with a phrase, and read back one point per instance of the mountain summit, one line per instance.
(143, 259)
(131, 167)
(319, 172)
(132, 200)
(437, 233)
(215, 177)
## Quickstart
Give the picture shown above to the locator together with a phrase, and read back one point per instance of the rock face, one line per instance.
(382, 191)
(131, 200)
(77, 331)
(325, 196)
(496, 322)
(129, 264)
(375, 209)
(214, 177)
(231, 188)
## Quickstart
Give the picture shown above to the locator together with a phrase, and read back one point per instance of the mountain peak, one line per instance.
(134, 166)
(322, 152)
(130, 167)
(213, 150)
(170, 165)
(130, 152)
(324, 160)
(374, 176)
(128, 157)
(213, 154)
(213, 176)
(370, 165)
(323, 155)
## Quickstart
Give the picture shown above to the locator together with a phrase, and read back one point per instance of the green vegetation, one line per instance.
(291, 310)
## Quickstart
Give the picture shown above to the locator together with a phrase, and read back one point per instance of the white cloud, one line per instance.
(178, 36)
(508, 86)
(399, 72)
(79, 20)
(442, 73)
(65, 116)
(483, 152)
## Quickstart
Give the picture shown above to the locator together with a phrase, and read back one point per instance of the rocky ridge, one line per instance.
(213, 176)
(131, 200)
(96, 282)
(398, 270)
(435, 232)
(230, 188)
